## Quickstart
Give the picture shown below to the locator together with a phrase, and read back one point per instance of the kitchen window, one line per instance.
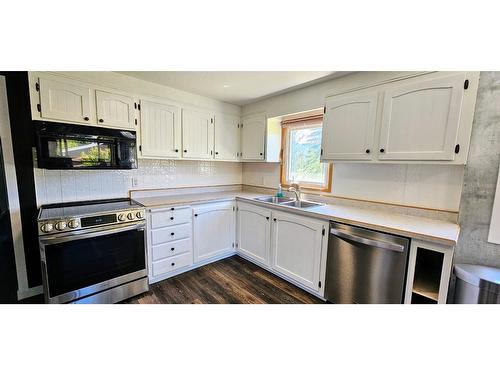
(301, 140)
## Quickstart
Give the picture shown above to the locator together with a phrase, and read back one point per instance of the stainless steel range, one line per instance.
(93, 252)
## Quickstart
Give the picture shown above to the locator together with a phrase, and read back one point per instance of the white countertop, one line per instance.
(437, 231)
(195, 198)
(444, 232)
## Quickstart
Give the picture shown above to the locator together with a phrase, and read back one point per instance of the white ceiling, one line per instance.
(238, 88)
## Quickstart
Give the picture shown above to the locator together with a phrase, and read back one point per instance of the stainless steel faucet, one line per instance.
(295, 188)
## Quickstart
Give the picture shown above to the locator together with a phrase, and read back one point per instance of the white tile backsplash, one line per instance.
(379, 183)
(427, 186)
(436, 186)
(66, 186)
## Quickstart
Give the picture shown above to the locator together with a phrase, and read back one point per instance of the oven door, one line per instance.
(75, 265)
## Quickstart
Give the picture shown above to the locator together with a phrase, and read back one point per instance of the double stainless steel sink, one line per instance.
(285, 201)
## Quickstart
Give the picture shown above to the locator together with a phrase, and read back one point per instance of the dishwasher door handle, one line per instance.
(367, 241)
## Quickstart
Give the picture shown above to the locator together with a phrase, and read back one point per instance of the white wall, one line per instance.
(427, 186)
(480, 179)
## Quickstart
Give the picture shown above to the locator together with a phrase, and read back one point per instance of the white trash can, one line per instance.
(477, 284)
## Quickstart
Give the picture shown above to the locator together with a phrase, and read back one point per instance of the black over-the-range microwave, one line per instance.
(67, 146)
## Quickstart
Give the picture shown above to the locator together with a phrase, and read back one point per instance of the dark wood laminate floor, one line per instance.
(231, 280)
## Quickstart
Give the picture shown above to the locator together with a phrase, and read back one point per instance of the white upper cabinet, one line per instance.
(421, 120)
(63, 101)
(227, 137)
(296, 248)
(160, 130)
(213, 230)
(197, 134)
(349, 127)
(115, 110)
(253, 137)
(253, 232)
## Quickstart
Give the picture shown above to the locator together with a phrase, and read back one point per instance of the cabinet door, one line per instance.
(227, 137)
(197, 135)
(253, 137)
(349, 126)
(160, 130)
(253, 232)
(296, 248)
(420, 120)
(115, 110)
(213, 230)
(65, 101)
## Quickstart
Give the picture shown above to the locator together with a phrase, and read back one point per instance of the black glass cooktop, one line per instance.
(77, 209)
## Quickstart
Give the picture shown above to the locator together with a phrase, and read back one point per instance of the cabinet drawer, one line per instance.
(173, 233)
(170, 217)
(171, 264)
(171, 249)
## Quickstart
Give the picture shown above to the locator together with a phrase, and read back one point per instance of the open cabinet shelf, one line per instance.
(420, 299)
(427, 279)
(429, 272)
(425, 292)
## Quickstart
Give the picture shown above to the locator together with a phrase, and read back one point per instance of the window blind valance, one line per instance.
(309, 120)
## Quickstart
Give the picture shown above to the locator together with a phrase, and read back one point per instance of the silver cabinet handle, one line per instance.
(367, 241)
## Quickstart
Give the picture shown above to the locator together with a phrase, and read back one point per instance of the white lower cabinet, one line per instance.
(289, 245)
(170, 246)
(169, 249)
(296, 248)
(254, 232)
(213, 230)
(168, 265)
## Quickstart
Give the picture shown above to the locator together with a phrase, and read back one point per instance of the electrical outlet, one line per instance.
(135, 182)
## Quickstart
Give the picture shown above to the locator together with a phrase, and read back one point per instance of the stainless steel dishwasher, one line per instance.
(365, 266)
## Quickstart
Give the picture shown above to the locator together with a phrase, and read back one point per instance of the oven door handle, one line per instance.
(66, 237)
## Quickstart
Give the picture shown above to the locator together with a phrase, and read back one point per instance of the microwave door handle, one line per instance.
(118, 152)
(367, 241)
(66, 237)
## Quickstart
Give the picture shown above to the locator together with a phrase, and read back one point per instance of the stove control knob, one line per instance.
(73, 224)
(61, 225)
(139, 214)
(47, 228)
(121, 217)
(130, 216)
